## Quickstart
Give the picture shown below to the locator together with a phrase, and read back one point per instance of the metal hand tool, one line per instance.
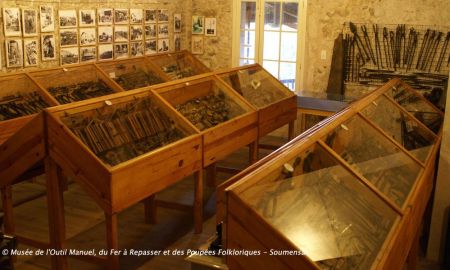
(443, 52)
(422, 47)
(368, 43)
(386, 47)
(434, 50)
(362, 50)
(377, 47)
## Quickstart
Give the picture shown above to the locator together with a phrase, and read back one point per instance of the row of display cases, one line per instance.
(125, 146)
(350, 193)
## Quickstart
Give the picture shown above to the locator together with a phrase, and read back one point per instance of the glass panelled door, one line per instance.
(247, 33)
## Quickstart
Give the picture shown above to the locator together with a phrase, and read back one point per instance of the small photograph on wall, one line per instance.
(120, 50)
(198, 25)
(105, 52)
(163, 30)
(197, 45)
(11, 22)
(121, 33)
(14, 53)
(69, 56)
(177, 23)
(47, 19)
(163, 45)
(87, 17)
(67, 18)
(105, 16)
(136, 16)
(150, 47)
(177, 42)
(105, 34)
(163, 15)
(29, 22)
(136, 49)
(210, 27)
(136, 32)
(150, 15)
(121, 16)
(31, 52)
(150, 31)
(48, 47)
(88, 54)
(88, 36)
(68, 37)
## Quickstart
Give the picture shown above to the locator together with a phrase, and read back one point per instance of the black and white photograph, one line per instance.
(14, 54)
(11, 22)
(177, 42)
(163, 30)
(88, 36)
(198, 25)
(121, 33)
(121, 16)
(68, 18)
(210, 27)
(150, 15)
(150, 47)
(163, 45)
(120, 50)
(29, 22)
(105, 16)
(87, 17)
(136, 16)
(177, 23)
(47, 18)
(197, 45)
(69, 56)
(48, 47)
(31, 52)
(136, 32)
(163, 15)
(136, 49)
(88, 54)
(150, 31)
(105, 52)
(68, 37)
(105, 34)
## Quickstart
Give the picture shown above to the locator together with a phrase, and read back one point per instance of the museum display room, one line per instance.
(224, 134)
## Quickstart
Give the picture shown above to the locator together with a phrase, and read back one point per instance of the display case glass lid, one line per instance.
(178, 65)
(323, 209)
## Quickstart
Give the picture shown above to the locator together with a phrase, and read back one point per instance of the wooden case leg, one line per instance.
(150, 209)
(411, 260)
(198, 201)
(253, 152)
(211, 175)
(8, 215)
(112, 240)
(55, 202)
(291, 129)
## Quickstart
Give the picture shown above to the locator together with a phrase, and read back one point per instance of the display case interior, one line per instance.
(178, 65)
(133, 73)
(346, 194)
(75, 83)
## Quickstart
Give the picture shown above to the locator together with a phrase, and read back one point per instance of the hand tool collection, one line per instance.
(21, 104)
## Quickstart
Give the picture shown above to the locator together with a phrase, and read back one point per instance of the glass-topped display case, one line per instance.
(177, 65)
(349, 195)
(276, 104)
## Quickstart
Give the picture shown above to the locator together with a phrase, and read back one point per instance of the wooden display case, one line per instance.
(74, 83)
(349, 195)
(115, 170)
(177, 65)
(276, 104)
(219, 140)
(133, 73)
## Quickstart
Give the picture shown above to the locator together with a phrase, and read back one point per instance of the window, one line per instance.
(268, 34)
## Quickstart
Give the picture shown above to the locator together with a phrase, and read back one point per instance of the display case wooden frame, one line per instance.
(118, 187)
(65, 76)
(116, 68)
(273, 115)
(224, 138)
(183, 59)
(248, 229)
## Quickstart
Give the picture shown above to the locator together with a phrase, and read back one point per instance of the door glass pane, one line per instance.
(272, 67)
(289, 47)
(243, 62)
(287, 74)
(247, 47)
(272, 15)
(290, 20)
(271, 45)
(248, 12)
